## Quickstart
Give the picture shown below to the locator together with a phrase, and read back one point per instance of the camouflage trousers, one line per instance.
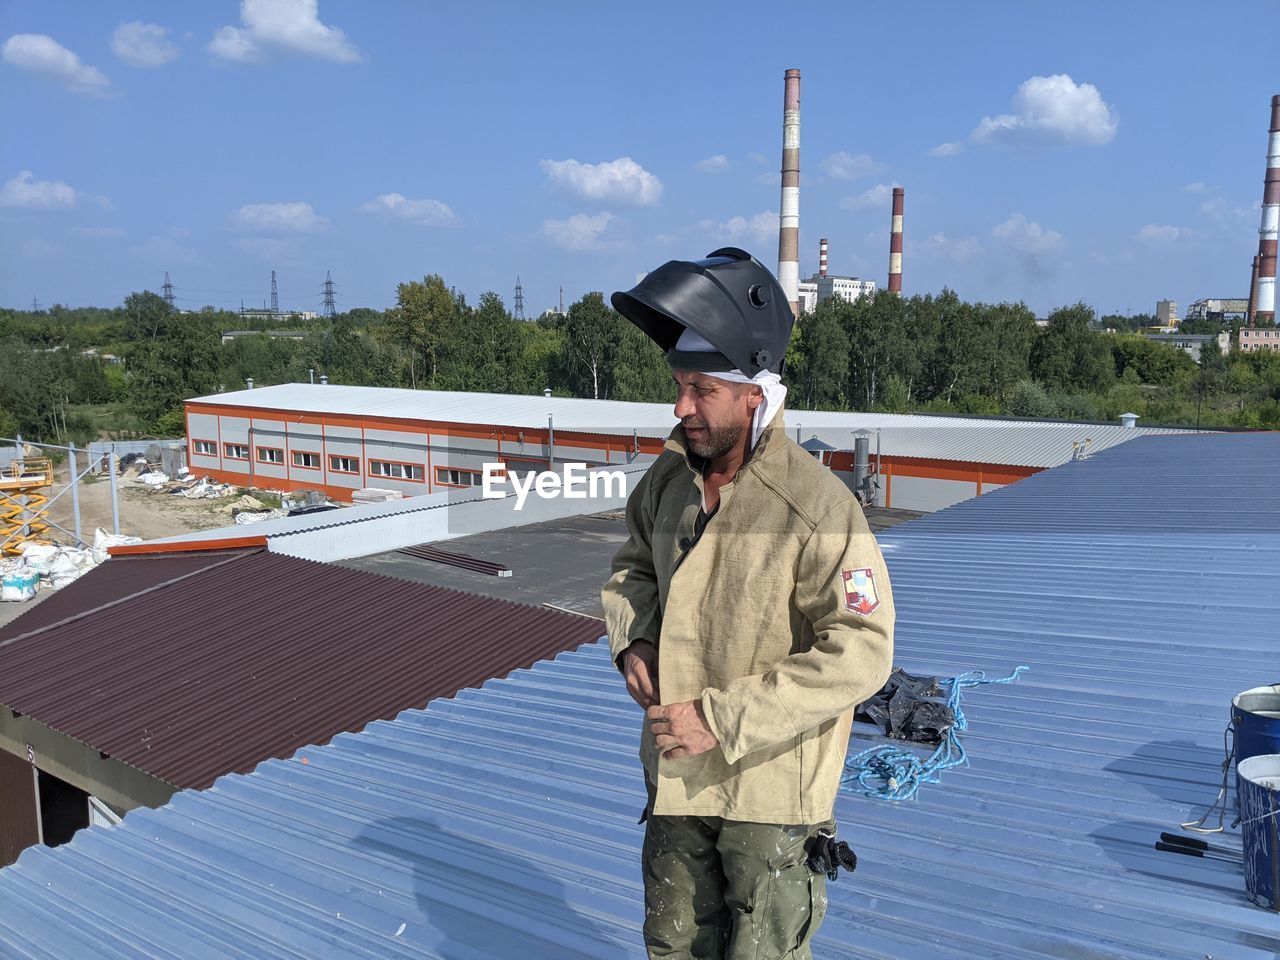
(718, 889)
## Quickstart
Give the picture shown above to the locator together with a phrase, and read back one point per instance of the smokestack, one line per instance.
(1266, 304)
(895, 244)
(1253, 293)
(822, 257)
(789, 223)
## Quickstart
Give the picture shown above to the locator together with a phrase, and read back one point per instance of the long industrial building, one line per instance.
(340, 439)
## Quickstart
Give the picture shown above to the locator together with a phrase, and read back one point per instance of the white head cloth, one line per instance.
(770, 383)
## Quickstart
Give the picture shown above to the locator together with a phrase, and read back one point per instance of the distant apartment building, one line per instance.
(1191, 343)
(1259, 338)
(818, 289)
(1167, 314)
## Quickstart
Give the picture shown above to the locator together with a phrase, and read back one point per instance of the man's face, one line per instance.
(714, 413)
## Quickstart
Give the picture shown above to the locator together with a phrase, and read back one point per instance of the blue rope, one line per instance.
(887, 772)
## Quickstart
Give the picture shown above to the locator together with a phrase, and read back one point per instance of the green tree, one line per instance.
(1069, 356)
(1029, 399)
(819, 364)
(874, 326)
(422, 322)
(591, 335)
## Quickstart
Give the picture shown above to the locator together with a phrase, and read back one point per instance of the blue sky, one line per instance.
(1110, 152)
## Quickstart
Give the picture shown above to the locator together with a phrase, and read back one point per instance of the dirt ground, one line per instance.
(142, 513)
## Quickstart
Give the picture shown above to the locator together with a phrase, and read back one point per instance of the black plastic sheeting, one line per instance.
(904, 710)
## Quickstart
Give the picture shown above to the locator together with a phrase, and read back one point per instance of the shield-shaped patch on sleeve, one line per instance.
(860, 591)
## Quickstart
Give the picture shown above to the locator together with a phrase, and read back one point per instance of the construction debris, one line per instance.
(208, 489)
(375, 495)
(257, 516)
(243, 502)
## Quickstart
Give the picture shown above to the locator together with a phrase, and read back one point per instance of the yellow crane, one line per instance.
(23, 497)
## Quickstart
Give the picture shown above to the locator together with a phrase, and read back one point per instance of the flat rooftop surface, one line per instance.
(561, 562)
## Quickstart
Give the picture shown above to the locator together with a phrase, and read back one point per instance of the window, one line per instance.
(235, 451)
(344, 464)
(396, 471)
(270, 455)
(309, 460)
(453, 477)
(206, 448)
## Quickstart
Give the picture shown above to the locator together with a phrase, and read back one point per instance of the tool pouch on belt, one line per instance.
(827, 855)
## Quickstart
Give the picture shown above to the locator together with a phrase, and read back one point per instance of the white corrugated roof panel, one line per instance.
(967, 439)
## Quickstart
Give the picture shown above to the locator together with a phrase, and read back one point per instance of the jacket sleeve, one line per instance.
(849, 660)
(630, 595)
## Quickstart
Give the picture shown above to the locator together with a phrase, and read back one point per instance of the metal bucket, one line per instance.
(1258, 790)
(1255, 721)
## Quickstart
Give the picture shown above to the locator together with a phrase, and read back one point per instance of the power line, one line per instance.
(167, 290)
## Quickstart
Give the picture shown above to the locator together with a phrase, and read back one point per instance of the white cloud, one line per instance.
(848, 166)
(717, 164)
(759, 229)
(428, 213)
(1027, 236)
(959, 249)
(143, 44)
(163, 250)
(1161, 233)
(296, 217)
(285, 26)
(97, 233)
(25, 192)
(622, 180)
(42, 54)
(881, 195)
(770, 178)
(580, 232)
(1220, 211)
(1198, 187)
(268, 249)
(1051, 110)
(947, 149)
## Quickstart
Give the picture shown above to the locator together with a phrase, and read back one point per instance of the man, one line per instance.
(749, 611)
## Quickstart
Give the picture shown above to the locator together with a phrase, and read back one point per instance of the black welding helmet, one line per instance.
(729, 299)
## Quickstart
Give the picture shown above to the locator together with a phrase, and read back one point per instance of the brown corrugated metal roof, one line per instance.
(257, 655)
(106, 583)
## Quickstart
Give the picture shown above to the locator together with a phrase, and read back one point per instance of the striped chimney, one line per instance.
(789, 223)
(822, 257)
(1266, 305)
(1253, 293)
(895, 244)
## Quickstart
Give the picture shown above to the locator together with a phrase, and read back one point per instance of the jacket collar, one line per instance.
(772, 438)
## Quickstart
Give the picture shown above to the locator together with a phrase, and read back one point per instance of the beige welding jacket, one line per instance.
(779, 617)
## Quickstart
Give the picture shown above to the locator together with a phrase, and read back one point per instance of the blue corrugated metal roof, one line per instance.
(1142, 587)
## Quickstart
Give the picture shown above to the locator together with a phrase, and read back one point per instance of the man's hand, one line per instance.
(640, 667)
(680, 729)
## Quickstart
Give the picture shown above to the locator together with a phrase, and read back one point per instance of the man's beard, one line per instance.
(717, 442)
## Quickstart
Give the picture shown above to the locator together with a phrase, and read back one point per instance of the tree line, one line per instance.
(78, 374)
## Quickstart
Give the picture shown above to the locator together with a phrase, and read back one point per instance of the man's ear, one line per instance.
(754, 398)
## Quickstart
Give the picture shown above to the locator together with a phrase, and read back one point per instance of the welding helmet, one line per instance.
(728, 299)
